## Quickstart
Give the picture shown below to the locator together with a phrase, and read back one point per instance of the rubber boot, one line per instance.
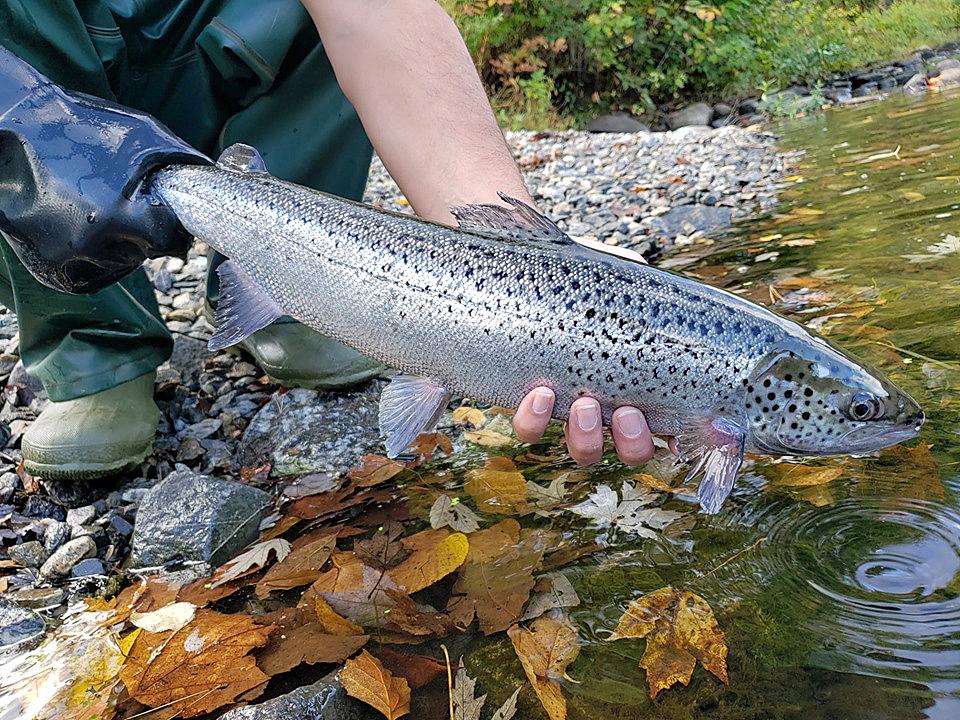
(293, 355)
(93, 436)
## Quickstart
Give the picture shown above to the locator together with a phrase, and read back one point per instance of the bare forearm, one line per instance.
(404, 66)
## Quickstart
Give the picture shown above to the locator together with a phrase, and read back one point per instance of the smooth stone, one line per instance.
(196, 517)
(70, 553)
(308, 431)
(696, 114)
(705, 218)
(615, 122)
(17, 623)
(722, 110)
(38, 598)
(30, 554)
(82, 515)
(87, 568)
(323, 700)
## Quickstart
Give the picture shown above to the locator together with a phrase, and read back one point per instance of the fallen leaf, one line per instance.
(366, 679)
(680, 629)
(256, 557)
(498, 432)
(434, 555)
(300, 567)
(170, 617)
(355, 590)
(373, 470)
(417, 670)
(466, 704)
(911, 197)
(297, 640)
(413, 619)
(383, 550)
(796, 475)
(453, 514)
(426, 444)
(331, 621)
(496, 578)
(326, 503)
(200, 667)
(545, 651)
(552, 590)
(497, 487)
(807, 212)
(628, 513)
(466, 415)
(508, 709)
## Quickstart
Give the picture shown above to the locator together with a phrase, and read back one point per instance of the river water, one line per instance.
(839, 599)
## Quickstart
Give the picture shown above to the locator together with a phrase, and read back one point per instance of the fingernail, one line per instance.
(629, 422)
(588, 417)
(542, 401)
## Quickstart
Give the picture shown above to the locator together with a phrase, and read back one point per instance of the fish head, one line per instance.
(808, 398)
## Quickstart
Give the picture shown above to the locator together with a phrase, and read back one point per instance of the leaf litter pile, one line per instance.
(375, 574)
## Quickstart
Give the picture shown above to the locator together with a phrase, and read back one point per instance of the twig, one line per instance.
(735, 556)
(449, 679)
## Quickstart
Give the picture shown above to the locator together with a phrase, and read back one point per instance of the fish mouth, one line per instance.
(861, 440)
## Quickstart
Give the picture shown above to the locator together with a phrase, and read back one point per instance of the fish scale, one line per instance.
(507, 303)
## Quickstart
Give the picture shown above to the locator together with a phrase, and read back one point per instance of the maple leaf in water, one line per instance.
(545, 651)
(447, 513)
(680, 629)
(629, 512)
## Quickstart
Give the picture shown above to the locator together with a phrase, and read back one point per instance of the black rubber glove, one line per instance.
(71, 167)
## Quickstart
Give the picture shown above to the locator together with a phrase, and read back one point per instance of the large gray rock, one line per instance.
(324, 700)
(17, 624)
(686, 219)
(948, 79)
(615, 122)
(196, 517)
(305, 431)
(29, 554)
(948, 64)
(696, 114)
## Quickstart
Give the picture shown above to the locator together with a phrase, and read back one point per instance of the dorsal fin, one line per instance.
(518, 222)
(242, 158)
(522, 223)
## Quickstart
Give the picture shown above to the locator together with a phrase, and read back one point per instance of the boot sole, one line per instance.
(84, 470)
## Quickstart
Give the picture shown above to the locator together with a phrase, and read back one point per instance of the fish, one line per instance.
(507, 302)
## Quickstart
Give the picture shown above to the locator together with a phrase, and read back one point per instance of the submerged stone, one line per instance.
(323, 700)
(17, 624)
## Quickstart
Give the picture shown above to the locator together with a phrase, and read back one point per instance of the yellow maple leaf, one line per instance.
(497, 487)
(795, 475)
(466, 415)
(680, 629)
(434, 554)
(545, 651)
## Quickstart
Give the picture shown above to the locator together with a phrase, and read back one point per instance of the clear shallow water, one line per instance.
(839, 599)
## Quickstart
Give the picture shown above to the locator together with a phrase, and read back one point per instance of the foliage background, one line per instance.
(544, 60)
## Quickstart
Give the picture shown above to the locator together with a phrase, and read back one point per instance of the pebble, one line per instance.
(73, 551)
(81, 515)
(30, 554)
(9, 483)
(56, 534)
(17, 624)
(86, 568)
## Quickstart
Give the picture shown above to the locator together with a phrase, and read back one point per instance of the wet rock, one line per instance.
(887, 83)
(323, 700)
(305, 431)
(188, 357)
(616, 122)
(838, 94)
(39, 506)
(56, 534)
(196, 517)
(696, 114)
(30, 554)
(17, 624)
(687, 219)
(38, 598)
(947, 64)
(749, 106)
(82, 515)
(722, 110)
(87, 568)
(865, 89)
(70, 553)
(947, 80)
(9, 484)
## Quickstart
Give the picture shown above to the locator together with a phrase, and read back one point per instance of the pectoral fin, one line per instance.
(243, 309)
(715, 446)
(409, 406)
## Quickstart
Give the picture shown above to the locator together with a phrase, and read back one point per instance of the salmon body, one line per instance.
(508, 302)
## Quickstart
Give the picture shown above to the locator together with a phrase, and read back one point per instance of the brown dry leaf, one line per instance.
(807, 212)
(795, 475)
(653, 483)
(918, 474)
(434, 554)
(330, 620)
(373, 470)
(326, 503)
(256, 557)
(485, 437)
(298, 640)
(366, 679)
(496, 578)
(301, 567)
(418, 670)
(199, 668)
(355, 590)
(497, 487)
(409, 618)
(545, 651)
(427, 444)
(465, 415)
(680, 629)
(385, 549)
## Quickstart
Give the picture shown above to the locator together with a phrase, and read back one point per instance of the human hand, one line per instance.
(584, 429)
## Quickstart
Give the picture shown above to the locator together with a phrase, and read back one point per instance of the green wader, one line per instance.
(215, 72)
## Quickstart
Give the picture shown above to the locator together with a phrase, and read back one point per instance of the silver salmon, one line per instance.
(508, 302)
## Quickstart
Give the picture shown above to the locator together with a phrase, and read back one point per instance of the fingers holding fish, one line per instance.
(631, 436)
(532, 417)
(584, 431)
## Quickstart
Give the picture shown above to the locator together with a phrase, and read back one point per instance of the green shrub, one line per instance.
(540, 56)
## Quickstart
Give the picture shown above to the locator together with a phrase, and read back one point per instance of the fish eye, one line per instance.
(865, 406)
